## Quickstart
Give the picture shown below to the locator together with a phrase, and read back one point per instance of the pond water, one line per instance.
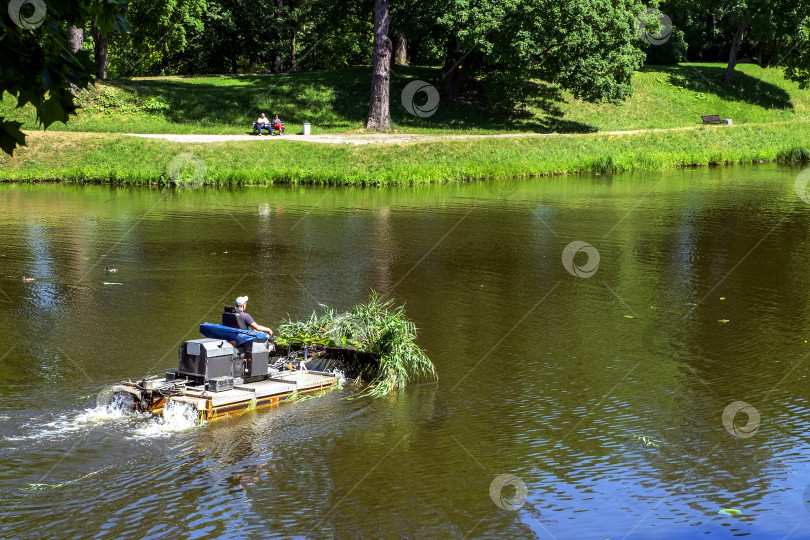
(578, 398)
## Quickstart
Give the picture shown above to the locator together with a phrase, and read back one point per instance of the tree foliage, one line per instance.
(587, 46)
(159, 37)
(491, 52)
(769, 32)
(38, 65)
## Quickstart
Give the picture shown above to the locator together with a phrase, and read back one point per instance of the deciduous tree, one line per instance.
(379, 114)
(38, 64)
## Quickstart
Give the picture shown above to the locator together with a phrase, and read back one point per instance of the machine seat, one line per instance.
(232, 319)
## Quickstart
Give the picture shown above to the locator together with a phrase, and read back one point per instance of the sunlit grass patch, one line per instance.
(337, 101)
(116, 158)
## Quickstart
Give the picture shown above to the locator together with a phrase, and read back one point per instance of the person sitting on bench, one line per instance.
(262, 123)
(277, 124)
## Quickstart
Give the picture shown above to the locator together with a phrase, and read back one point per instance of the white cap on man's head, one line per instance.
(241, 300)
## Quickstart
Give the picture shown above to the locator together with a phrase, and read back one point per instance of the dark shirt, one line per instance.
(247, 318)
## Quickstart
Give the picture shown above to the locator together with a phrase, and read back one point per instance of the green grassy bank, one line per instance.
(337, 101)
(130, 160)
(771, 120)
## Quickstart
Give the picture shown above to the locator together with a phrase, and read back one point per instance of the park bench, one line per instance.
(715, 119)
(269, 127)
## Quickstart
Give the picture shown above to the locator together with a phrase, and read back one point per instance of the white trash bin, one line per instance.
(306, 128)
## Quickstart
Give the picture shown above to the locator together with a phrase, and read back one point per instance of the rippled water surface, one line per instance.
(571, 404)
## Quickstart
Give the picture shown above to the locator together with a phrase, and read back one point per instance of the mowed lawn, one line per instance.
(337, 101)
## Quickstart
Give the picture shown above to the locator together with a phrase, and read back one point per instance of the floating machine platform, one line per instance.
(226, 373)
(153, 395)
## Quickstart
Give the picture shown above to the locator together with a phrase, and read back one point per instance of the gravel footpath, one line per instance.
(374, 138)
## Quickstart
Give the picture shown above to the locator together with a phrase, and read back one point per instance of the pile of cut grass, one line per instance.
(373, 327)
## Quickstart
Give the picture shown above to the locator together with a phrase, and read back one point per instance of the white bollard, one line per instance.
(306, 128)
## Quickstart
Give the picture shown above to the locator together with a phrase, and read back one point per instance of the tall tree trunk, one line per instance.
(76, 43)
(100, 46)
(772, 57)
(277, 66)
(293, 35)
(735, 47)
(452, 84)
(453, 78)
(293, 63)
(400, 50)
(711, 26)
(165, 60)
(379, 110)
(75, 38)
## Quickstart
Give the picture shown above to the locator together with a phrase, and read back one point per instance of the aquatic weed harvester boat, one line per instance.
(235, 369)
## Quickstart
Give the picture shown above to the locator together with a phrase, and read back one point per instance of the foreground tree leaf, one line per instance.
(10, 136)
(39, 66)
